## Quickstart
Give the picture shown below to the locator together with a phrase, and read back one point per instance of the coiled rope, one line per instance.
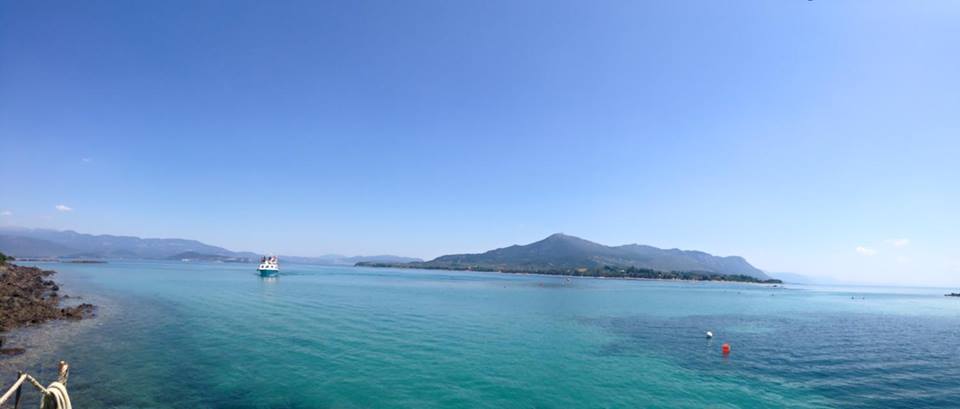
(55, 396)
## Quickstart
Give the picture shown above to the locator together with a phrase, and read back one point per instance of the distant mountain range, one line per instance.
(338, 259)
(557, 254)
(25, 242)
(563, 254)
(195, 256)
(67, 244)
(794, 278)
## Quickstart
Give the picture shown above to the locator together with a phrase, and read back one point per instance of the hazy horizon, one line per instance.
(785, 275)
(817, 138)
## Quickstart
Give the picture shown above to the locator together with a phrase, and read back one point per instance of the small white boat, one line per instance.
(269, 266)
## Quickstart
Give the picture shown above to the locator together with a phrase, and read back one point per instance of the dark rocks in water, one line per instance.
(12, 351)
(78, 312)
(28, 296)
(953, 295)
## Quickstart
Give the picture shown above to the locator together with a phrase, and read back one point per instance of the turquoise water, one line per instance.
(182, 335)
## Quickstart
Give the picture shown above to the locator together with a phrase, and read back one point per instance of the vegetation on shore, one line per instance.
(561, 254)
(605, 272)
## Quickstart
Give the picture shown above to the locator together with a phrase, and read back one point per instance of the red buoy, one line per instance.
(726, 349)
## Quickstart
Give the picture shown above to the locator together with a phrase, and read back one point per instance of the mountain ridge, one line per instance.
(70, 242)
(560, 253)
(65, 244)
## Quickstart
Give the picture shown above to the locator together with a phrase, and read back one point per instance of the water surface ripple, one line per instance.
(184, 335)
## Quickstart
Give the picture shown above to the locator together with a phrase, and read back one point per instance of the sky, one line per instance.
(814, 137)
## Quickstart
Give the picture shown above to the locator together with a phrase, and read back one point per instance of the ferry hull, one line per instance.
(268, 273)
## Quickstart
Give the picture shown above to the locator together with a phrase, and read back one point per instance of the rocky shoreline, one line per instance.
(29, 297)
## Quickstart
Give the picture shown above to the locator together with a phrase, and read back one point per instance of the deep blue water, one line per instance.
(185, 335)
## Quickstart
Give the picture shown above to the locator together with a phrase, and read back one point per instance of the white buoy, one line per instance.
(709, 334)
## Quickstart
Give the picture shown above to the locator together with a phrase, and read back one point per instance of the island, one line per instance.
(560, 254)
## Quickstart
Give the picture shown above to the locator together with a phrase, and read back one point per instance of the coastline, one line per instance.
(29, 298)
(716, 278)
(43, 342)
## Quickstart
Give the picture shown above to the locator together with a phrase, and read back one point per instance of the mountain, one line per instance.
(794, 278)
(385, 258)
(45, 243)
(194, 256)
(337, 259)
(69, 242)
(561, 254)
(30, 247)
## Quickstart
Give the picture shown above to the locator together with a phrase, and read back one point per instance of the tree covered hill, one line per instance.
(569, 255)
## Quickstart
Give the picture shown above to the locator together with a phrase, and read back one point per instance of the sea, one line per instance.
(216, 335)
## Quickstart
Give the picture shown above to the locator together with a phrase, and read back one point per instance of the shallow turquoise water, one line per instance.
(180, 335)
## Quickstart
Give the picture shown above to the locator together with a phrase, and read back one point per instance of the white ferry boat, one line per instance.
(269, 266)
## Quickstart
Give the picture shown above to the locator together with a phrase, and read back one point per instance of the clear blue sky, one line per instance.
(819, 137)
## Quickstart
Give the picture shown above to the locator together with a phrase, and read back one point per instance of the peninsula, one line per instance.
(561, 254)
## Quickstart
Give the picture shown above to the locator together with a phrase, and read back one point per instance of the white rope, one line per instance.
(55, 396)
